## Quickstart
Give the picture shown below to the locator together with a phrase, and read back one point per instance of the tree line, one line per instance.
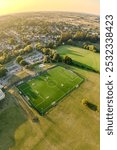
(6, 56)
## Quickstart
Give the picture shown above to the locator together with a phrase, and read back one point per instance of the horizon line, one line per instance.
(3, 15)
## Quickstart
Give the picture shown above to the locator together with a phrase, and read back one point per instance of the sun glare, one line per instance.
(2, 4)
(14, 6)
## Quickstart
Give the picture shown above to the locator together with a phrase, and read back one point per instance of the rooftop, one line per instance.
(2, 95)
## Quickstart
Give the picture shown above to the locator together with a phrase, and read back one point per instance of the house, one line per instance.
(38, 57)
(2, 95)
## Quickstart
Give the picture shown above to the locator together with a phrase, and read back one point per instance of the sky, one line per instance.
(16, 6)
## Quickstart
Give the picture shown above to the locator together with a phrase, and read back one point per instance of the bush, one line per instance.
(84, 102)
(30, 67)
(70, 42)
(19, 58)
(68, 60)
(90, 105)
(3, 71)
(23, 63)
(28, 49)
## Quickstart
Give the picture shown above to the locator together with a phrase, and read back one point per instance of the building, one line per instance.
(2, 95)
(37, 58)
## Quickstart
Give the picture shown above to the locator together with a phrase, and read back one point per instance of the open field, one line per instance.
(81, 55)
(69, 126)
(11, 118)
(43, 106)
(46, 90)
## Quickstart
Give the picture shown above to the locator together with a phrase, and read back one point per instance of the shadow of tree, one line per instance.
(92, 106)
(49, 119)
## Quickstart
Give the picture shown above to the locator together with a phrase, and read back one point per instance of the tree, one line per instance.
(1, 60)
(23, 63)
(90, 105)
(3, 71)
(15, 52)
(11, 41)
(21, 51)
(18, 46)
(5, 57)
(30, 67)
(38, 46)
(92, 37)
(19, 58)
(46, 51)
(56, 57)
(65, 36)
(85, 102)
(70, 42)
(50, 45)
(51, 53)
(46, 59)
(79, 36)
(68, 60)
(28, 48)
(90, 47)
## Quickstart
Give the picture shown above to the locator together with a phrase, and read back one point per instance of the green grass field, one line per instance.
(46, 90)
(69, 126)
(81, 55)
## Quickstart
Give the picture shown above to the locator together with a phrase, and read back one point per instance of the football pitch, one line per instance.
(44, 91)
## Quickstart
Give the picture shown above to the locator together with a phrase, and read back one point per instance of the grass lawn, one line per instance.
(81, 55)
(11, 117)
(69, 126)
(46, 90)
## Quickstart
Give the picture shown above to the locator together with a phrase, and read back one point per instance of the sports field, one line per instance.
(69, 126)
(46, 90)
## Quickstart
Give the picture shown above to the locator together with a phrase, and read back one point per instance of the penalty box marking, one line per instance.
(74, 78)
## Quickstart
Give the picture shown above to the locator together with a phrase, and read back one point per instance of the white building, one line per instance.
(2, 95)
(38, 57)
